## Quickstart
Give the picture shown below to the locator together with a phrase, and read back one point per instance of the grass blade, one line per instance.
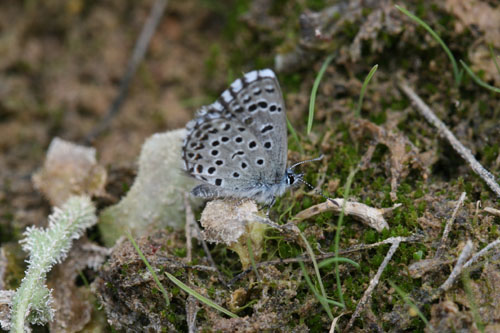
(320, 298)
(316, 269)
(199, 296)
(357, 113)
(252, 258)
(337, 233)
(494, 58)
(150, 269)
(478, 80)
(329, 261)
(314, 91)
(456, 72)
(294, 136)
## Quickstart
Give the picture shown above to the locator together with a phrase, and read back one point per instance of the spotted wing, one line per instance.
(239, 142)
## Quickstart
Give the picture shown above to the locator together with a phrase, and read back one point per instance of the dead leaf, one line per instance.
(69, 169)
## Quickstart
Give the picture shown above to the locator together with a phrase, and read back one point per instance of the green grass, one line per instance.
(357, 112)
(457, 73)
(150, 269)
(340, 221)
(411, 304)
(314, 91)
(477, 79)
(199, 296)
(318, 275)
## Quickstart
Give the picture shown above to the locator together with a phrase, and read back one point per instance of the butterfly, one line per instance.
(238, 146)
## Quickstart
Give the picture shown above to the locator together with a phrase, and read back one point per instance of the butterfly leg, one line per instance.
(205, 191)
(271, 204)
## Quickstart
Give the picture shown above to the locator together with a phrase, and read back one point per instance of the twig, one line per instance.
(447, 228)
(373, 217)
(373, 283)
(491, 210)
(481, 253)
(460, 266)
(445, 132)
(457, 270)
(138, 53)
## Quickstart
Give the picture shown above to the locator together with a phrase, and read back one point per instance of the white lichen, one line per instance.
(32, 300)
(156, 199)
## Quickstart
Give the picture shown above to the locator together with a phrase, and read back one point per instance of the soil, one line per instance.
(61, 66)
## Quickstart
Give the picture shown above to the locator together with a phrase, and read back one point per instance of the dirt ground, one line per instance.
(61, 65)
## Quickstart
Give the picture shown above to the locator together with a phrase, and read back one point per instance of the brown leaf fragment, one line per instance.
(69, 169)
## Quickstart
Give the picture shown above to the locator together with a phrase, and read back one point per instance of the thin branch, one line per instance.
(372, 217)
(446, 133)
(447, 228)
(373, 283)
(457, 270)
(492, 211)
(460, 266)
(481, 253)
(138, 53)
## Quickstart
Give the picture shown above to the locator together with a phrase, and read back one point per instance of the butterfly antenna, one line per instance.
(318, 192)
(312, 187)
(307, 161)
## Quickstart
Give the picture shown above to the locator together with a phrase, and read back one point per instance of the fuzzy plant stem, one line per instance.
(32, 301)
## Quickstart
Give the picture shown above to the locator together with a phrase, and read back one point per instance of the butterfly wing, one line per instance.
(238, 144)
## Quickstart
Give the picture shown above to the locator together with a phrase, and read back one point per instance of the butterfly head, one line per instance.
(293, 178)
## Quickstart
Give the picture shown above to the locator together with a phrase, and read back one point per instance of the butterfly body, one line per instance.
(237, 146)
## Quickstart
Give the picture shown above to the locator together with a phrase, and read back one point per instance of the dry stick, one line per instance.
(373, 283)
(481, 253)
(457, 270)
(492, 210)
(460, 266)
(447, 228)
(138, 53)
(191, 302)
(445, 132)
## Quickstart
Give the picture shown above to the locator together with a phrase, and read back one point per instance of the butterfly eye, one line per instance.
(291, 179)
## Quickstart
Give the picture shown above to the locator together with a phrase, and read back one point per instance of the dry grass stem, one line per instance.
(447, 228)
(462, 265)
(481, 253)
(457, 270)
(138, 53)
(334, 322)
(448, 135)
(373, 283)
